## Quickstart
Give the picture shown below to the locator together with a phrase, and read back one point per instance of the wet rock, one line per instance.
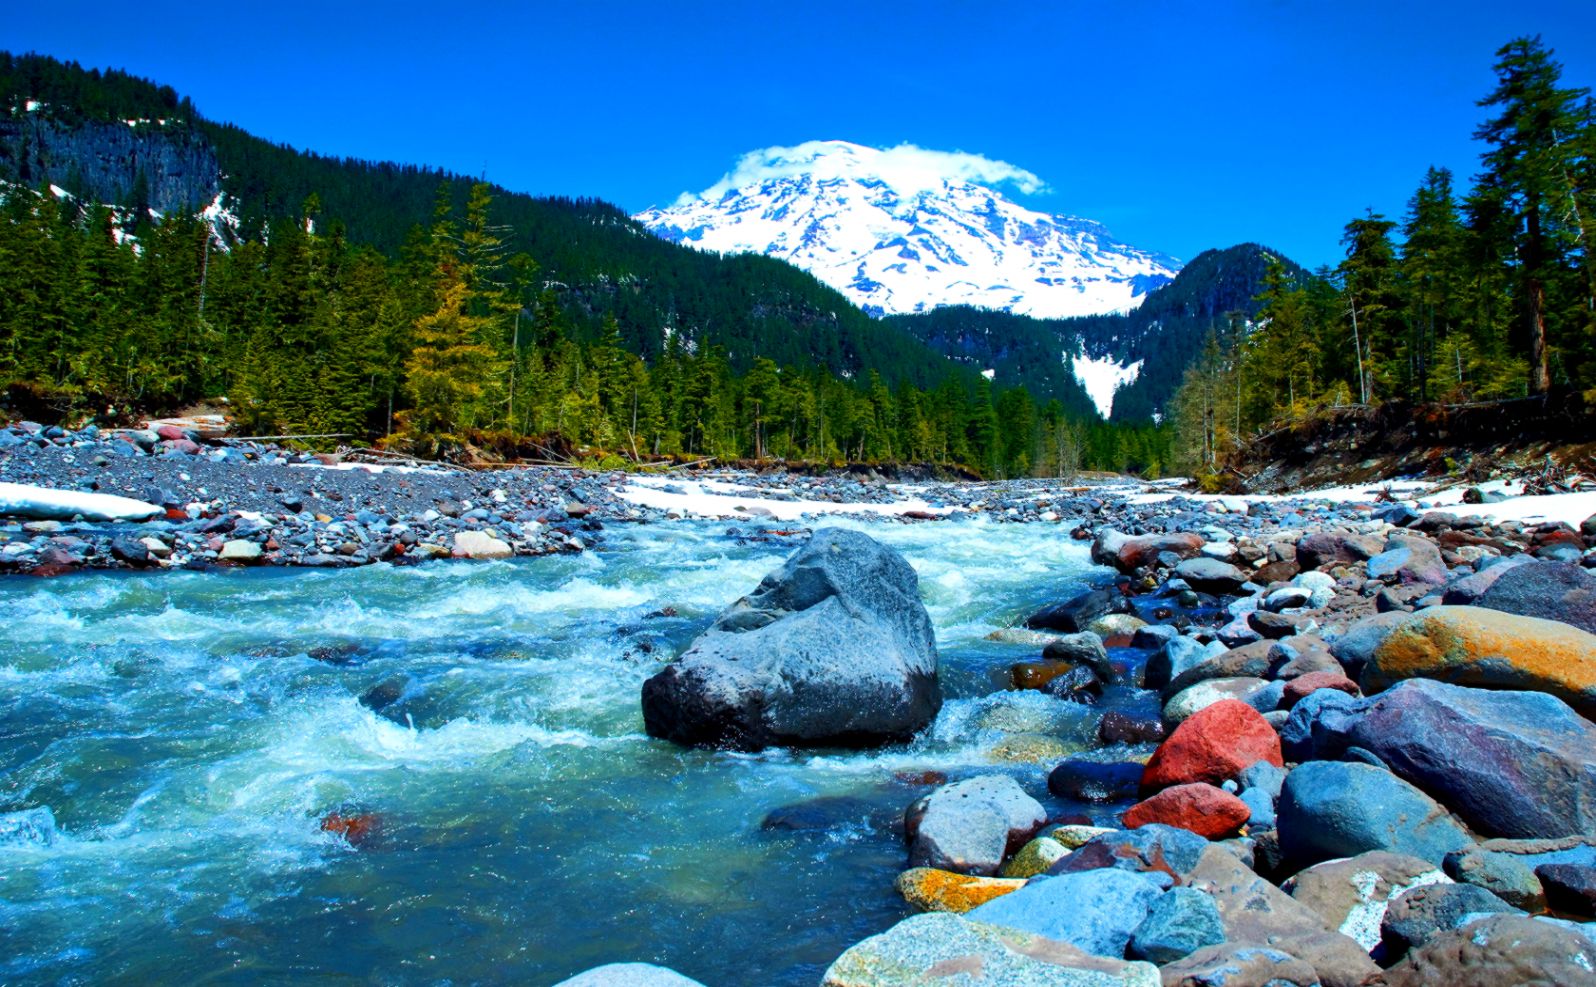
(833, 648)
(1086, 649)
(971, 825)
(1095, 911)
(1095, 781)
(1078, 684)
(1205, 810)
(1336, 809)
(1073, 615)
(1500, 950)
(1352, 894)
(828, 812)
(931, 948)
(1119, 727)
(356, 828)
(932, 890)
(629, 975)
(1207, 575)
(1513, 764)
(1507, 868)
(1180, 922)
(1239, 965)
(1481, 647)
(1213, 745)
(1415, 916)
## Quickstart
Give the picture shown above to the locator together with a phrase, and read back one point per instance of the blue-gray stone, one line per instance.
(1262, 774)
(1262, 805)
(1095, 911)
(1180, 922)
(1318, 725)
(1333, 809)
(1511, 764)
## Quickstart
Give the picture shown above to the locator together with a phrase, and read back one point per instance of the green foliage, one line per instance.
(1493, 296)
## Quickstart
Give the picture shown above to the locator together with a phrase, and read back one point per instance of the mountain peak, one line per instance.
(906, 229)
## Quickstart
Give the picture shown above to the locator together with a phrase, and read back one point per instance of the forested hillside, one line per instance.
(329, 296)
(1475, 293)
(1165, 332)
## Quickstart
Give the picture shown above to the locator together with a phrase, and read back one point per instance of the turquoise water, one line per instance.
(192, 731)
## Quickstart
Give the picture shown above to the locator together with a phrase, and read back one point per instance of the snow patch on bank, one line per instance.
(723, 499)
(1421, 495)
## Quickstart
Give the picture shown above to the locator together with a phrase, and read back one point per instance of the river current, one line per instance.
(438, 774)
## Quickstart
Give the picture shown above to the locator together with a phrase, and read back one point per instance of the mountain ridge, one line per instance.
(906, 230)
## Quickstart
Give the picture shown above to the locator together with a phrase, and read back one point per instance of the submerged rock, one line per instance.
(833, 648)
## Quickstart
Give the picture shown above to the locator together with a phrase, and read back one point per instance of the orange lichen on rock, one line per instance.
(932, 890)
(1475, 646)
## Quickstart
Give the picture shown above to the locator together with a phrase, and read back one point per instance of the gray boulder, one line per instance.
(1095, 911)
(1331, 809)
(833, 648)
(971, 825)
(1551, 590)
(1409, 560)
(1512, 764)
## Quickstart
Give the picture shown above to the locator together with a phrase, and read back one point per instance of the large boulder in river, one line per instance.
(1480, 647)
(833, 648)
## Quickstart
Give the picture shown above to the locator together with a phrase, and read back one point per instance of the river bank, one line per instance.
(334, 762)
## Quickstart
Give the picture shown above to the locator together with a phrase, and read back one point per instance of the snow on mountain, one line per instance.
(1100, 377)
(908, 229)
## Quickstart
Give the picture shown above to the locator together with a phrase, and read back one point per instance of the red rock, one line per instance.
(176, 514)
(356, 827)
(1213, 745)
(171, 433)
(1300, 686)
(1203, 809)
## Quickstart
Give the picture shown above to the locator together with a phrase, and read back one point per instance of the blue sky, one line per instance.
(1180, 125)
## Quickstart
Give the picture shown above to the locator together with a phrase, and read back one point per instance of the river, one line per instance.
(192, 731)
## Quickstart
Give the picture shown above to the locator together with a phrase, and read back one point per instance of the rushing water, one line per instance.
(192, 731)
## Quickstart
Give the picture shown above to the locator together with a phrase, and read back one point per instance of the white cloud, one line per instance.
(907, 168)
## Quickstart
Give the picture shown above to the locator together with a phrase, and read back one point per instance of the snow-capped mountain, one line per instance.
(908, 229)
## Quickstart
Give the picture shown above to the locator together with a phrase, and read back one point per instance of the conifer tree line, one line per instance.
(1484, 293)
(456, 340)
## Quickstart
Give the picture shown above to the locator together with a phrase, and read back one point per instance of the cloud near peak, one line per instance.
(907, 168)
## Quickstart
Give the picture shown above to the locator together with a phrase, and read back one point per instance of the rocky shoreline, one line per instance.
(1374, 762)
(1365, 754)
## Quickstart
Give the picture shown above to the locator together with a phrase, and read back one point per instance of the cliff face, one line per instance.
(108, 162)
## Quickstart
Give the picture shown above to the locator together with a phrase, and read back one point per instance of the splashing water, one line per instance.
(191, 733)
